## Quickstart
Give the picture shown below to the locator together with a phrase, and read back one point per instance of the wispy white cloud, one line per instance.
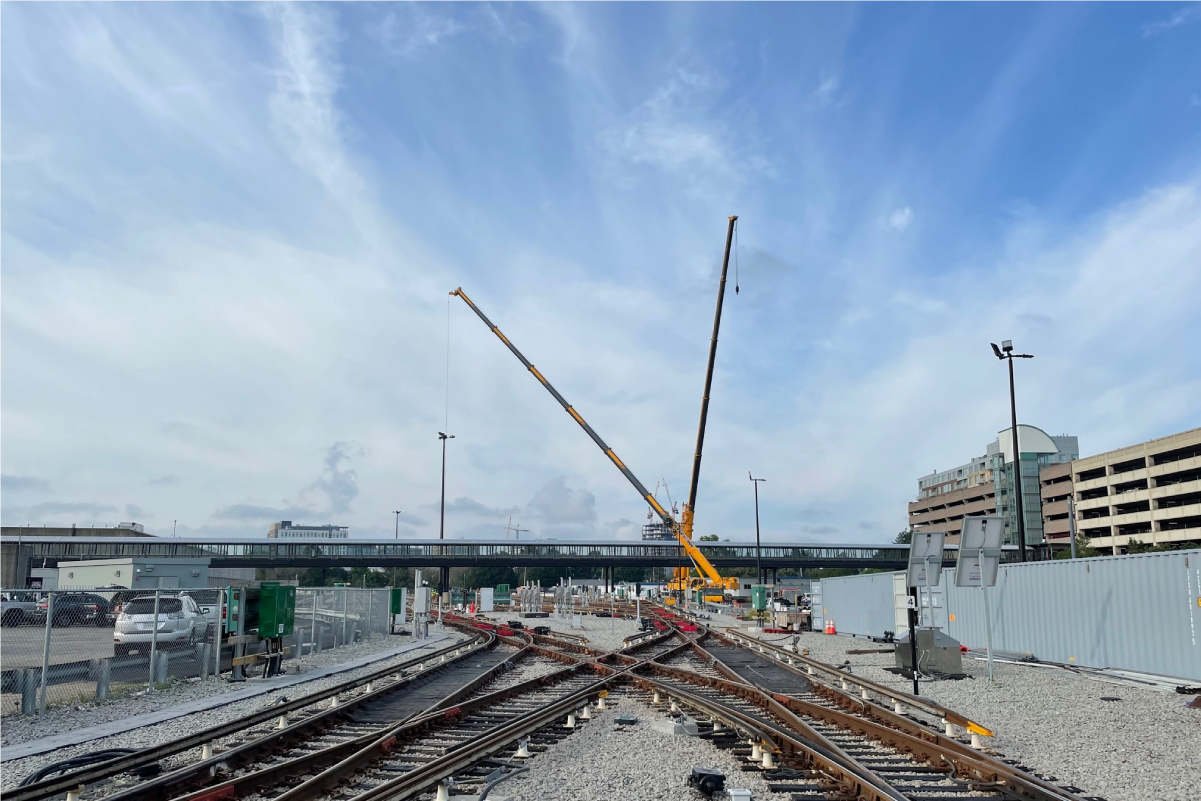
(1186, 14)
(900, 219)
(414, 29)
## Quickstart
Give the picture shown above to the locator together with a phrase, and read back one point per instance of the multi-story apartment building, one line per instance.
(982, 486)
(284, 530)
(1150, 492)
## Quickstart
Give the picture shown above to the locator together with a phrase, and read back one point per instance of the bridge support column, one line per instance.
(443, 580)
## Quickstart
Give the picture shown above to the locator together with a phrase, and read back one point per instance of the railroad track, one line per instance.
(799, 723)
(817, 741)
(349, 711)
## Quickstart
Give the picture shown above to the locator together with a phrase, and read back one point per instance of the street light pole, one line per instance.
(442, 509)
(396, 537)
(758, 550)
(1005, 352)
(442, 512)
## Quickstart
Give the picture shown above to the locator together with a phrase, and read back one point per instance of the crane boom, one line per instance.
(694, 553)
(690, 506)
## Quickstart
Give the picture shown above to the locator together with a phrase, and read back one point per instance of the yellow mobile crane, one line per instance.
(712, 583)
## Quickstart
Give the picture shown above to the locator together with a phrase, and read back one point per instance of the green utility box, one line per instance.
(502, 590)
(397, 600)
(277, 610)
(759, 597)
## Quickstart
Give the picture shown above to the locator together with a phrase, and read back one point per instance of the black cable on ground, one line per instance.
(75, 762)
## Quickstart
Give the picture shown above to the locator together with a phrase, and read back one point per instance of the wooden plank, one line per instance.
(244, 639)
(251, 659)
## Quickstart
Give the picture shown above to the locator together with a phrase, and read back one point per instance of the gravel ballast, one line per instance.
(604, 633)
(1144, 746)
(638, 762)
(17, 730)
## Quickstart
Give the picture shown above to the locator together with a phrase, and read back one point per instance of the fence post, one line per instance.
(46, 653)
(370, 611)
(153, 641)
(161, 664)
(345, 601)
(103, 676)
(314, 648)
(218, 630)
(29, 691)
(204, 661)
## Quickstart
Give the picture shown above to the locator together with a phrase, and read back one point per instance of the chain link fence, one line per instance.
(60, 647)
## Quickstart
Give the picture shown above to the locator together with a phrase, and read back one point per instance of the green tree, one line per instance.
(710, 538)
(904, 538)
(489, 577)
(322, 576)
(1083, 549)
(367, 577)
(630, 574)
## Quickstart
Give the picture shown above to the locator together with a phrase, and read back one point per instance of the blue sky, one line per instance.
(229, 232)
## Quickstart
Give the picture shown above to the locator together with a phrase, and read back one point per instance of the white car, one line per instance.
(180, 624)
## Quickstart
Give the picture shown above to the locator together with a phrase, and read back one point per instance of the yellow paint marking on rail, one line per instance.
(976, 728)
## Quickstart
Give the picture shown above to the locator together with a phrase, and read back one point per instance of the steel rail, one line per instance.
(457, 759)
(906, 735)
(852, 778)
(917, 702)
(48, 788)
(347, 756)
(187, 778)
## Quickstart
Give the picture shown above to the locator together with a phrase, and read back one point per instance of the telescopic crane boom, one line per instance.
(693, 552)
(683, 529)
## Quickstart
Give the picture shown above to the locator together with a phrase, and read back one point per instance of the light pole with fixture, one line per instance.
(396, 537)
(758, 550)
(443, 573)
(1005, 353)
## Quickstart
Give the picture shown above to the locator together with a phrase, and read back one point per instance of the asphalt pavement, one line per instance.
(22, 646)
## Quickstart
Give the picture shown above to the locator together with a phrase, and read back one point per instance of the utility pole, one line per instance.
(1005, 353)
(758, 550)
(174, 525)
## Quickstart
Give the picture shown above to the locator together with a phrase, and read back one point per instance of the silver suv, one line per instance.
(180, 624)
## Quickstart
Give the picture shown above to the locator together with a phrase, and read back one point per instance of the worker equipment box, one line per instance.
(277, 610)
(421, 601)
(397, 599)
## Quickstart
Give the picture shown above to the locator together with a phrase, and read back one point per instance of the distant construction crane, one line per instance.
(711, 583)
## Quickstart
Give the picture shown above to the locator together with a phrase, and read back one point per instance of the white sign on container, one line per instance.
(979, 551)
(925, 559)
(487, 599)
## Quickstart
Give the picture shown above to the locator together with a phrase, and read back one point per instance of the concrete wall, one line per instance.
(1140, 612)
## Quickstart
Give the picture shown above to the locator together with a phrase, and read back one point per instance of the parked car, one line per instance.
(17, 608)
(211, 604)
(75, 609)
(180, 623)
(118, 600)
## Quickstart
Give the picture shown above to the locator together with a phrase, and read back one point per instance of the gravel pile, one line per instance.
(639, 762)
(605, 633)
(54, 721)
(1145, 745)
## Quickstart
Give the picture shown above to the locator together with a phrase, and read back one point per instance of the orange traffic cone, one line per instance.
(830, 629)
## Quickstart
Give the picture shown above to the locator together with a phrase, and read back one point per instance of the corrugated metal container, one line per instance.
(859, 605)
(1138, 612)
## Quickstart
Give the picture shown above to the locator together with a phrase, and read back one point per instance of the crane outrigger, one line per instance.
(712, 584)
